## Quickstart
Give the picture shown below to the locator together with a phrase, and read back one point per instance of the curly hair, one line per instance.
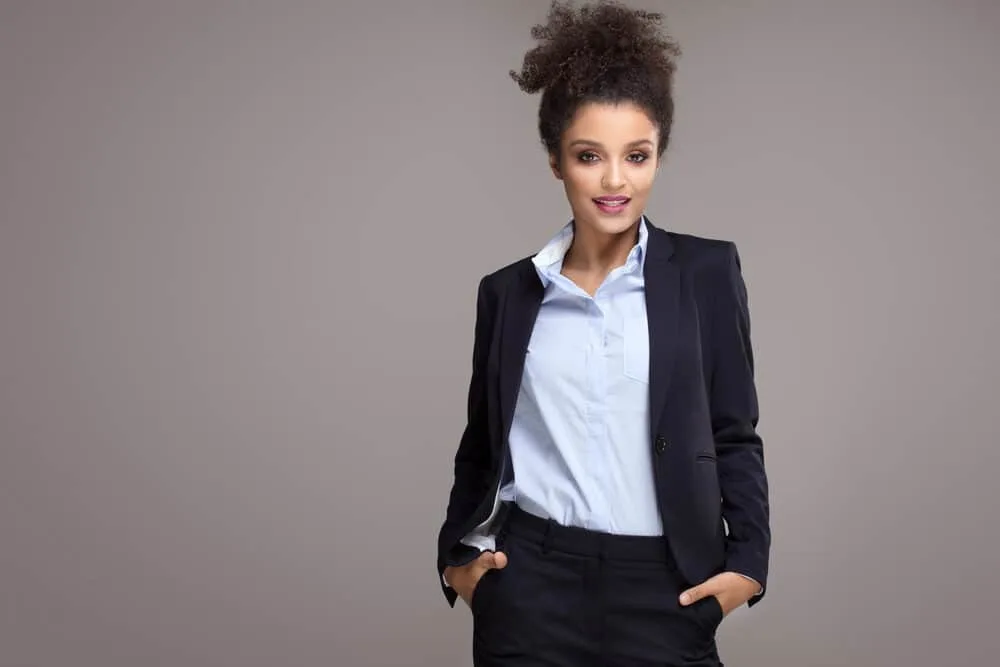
(604, 52)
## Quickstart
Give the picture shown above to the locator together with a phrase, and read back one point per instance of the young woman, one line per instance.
(609, 504)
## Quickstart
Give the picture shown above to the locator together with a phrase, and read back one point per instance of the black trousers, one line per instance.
(571, 597)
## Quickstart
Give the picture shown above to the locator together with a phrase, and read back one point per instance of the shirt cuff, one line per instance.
(760, 588)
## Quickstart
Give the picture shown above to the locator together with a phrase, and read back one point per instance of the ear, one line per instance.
(554, 166)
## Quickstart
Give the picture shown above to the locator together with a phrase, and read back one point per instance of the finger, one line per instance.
(493, 560)
(698, 592)
(691, 595)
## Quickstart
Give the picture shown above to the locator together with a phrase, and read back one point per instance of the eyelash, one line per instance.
(582, 157)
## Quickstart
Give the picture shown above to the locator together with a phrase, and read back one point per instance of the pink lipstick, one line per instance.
(611, 205)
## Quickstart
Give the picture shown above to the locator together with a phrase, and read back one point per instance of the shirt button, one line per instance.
(661, 444)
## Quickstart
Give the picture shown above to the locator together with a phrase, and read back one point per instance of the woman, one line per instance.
(609, 504)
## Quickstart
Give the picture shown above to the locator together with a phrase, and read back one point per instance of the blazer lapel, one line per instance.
(519, 312)
(662, 289)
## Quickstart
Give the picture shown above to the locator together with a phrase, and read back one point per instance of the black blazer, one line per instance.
(707, 456)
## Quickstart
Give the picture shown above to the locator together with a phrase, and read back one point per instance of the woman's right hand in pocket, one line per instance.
(464, 578)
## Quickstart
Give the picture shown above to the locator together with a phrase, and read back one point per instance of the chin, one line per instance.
(611, 225)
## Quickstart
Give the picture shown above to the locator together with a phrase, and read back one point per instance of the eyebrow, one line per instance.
(589, 142)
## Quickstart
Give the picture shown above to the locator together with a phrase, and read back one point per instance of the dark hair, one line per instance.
(603, 52)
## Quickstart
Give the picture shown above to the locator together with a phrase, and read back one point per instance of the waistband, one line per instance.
(551, 535)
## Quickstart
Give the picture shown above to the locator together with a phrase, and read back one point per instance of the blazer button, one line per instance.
(661, 444)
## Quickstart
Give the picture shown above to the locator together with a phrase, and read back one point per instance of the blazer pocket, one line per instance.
(636, 349)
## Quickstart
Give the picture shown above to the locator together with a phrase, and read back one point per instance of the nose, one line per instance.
(612, 178)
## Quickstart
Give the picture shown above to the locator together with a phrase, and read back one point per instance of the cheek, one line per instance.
(643, 180)
(582, 181)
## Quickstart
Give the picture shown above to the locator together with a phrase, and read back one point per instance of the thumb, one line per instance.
(695, 593)
(494, 560)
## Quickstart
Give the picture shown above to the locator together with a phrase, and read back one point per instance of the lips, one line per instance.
(612, 205)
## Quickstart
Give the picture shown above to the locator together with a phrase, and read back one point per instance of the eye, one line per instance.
(590, 156)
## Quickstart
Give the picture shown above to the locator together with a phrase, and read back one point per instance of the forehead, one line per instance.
(610, 124)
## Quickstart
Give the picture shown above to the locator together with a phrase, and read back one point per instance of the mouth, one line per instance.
(612, 204)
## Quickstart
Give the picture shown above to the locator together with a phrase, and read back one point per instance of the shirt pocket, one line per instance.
(636, 349)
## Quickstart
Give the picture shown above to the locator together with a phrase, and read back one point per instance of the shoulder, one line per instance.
(698, 254)
(505, 277)
(701, 251)
(712, 266)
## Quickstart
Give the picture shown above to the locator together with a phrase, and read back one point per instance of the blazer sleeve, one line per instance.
(734, 410)
(472, 458)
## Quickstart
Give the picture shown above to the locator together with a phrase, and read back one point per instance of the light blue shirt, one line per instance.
(579, 440)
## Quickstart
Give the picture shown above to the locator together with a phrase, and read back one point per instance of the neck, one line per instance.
(594, 252)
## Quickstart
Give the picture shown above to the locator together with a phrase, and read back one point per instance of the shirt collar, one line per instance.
(549, 260)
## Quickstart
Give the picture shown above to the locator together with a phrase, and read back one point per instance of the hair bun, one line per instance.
(577, 48)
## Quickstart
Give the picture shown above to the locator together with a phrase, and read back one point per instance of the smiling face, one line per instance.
(607, 163)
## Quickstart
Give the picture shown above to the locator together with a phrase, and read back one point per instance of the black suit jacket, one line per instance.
(707, 456)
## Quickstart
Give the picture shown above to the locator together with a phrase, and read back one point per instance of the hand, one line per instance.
(731, 589)
(464, 578)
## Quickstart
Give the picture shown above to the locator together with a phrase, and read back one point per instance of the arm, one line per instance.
(739, 449)
(472, 459)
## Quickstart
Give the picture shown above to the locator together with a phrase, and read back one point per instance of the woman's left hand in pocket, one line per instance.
(730, 588)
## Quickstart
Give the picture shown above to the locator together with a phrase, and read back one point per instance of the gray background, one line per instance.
(239, 245)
